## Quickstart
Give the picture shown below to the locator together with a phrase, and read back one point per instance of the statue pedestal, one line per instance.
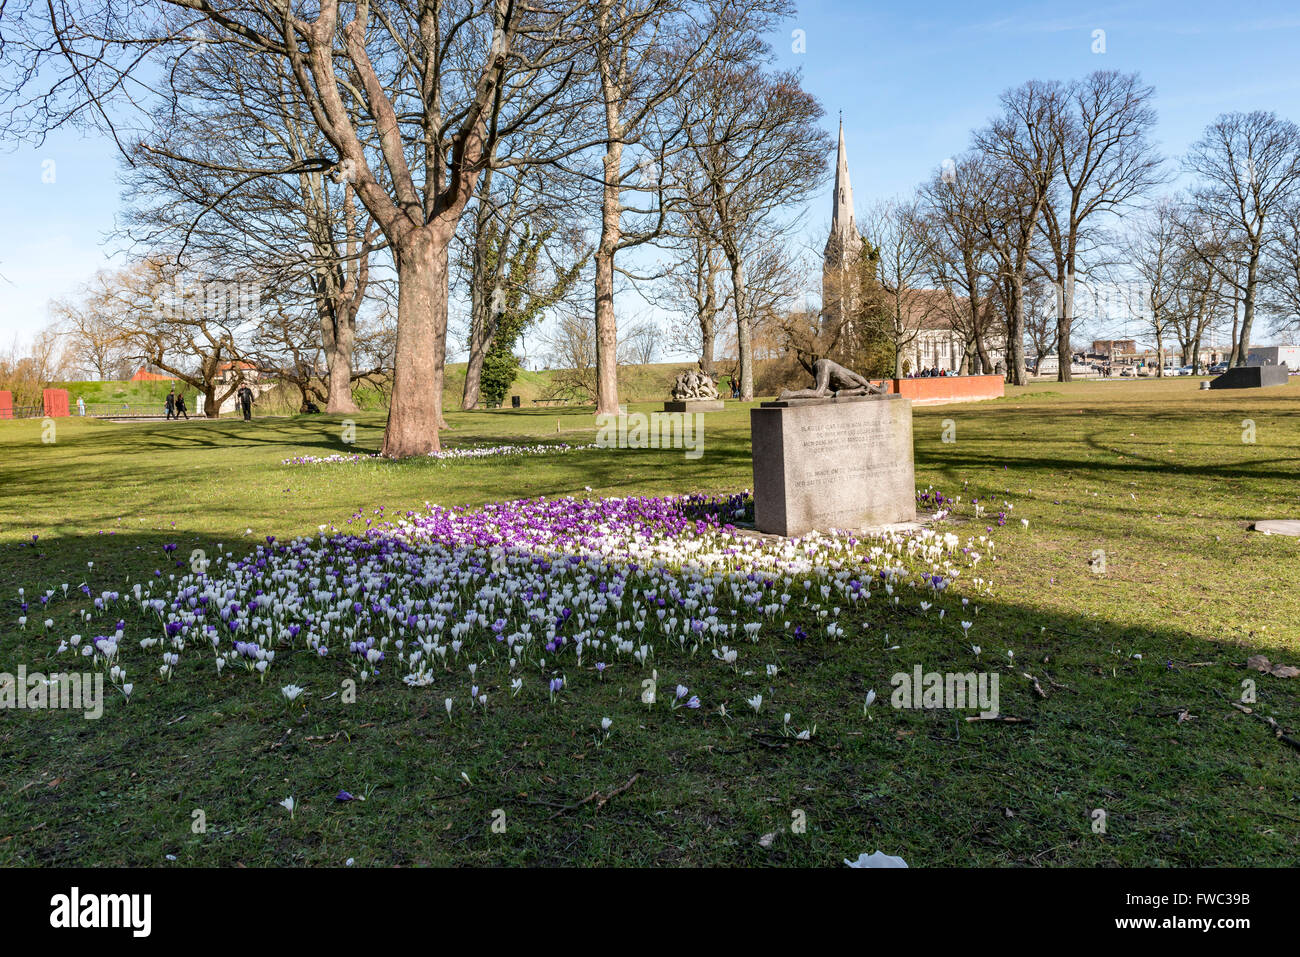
(694, 405)
(832, 463)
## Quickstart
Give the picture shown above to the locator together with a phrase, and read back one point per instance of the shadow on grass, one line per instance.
(1134, 722)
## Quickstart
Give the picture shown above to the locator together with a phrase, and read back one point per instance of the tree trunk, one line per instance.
(967, 355)
(480, 335)
(1064, 325)
(210, 405)
(1016, 334)
(339, 336)
(744, 326)
(611, 230)
(440, 366)
(479, 338)
(473, 373)
(1236, 321)
(1248, 311)
(708, 331)
(415, 409)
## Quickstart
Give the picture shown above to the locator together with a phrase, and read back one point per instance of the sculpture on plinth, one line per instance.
(832, 380)
(693, 386)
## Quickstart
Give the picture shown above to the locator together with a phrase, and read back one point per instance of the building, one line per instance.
(1114, 347)
(934, 342)
(938, 344)
(1274, 356)
(148, 373)
(229, 372)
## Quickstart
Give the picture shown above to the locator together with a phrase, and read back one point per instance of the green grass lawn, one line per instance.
(1155, 475)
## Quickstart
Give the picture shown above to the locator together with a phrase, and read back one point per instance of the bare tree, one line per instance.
(232, 176)
(640, 343)
(648, 53)
(899, 233)
(1101, 124)
(693, 287)
(572, 345)
(1156, 253)
(959, 262)
(1040, 305)
(1248, 166)
(1023, 155)
(194, 328)
(755, 150)
(1283, 272)
(26, 371)
(434, 85)
(92, 326)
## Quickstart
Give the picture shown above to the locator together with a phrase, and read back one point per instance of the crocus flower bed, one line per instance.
(544, 592)
(447, 455)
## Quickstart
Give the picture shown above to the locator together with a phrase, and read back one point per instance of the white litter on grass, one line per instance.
(877, 859)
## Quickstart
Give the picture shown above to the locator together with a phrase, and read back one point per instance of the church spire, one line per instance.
(844, 245)
(844, 229)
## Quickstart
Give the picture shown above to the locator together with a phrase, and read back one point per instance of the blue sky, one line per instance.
(912, 79)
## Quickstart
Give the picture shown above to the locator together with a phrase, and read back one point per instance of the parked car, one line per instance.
(1126, 372)
(1186, 370)
(1219, 368)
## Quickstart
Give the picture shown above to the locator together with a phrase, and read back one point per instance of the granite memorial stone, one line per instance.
(832, 462)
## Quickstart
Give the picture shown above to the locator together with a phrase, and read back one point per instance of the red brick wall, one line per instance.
(960, 388)
(6, 404)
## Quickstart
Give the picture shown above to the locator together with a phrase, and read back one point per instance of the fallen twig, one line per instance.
(1277, 728)
(600, 799)
(999, 719)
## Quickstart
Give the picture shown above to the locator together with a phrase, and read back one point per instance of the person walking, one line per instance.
(81, 406)
(180, 406)
(171, 404)
(245, 396)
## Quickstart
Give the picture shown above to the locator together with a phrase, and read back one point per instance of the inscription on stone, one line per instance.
(833, 464)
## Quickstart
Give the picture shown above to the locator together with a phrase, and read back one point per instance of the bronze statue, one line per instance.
(832, 379)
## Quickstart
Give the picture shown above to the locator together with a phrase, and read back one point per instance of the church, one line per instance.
(934, 342)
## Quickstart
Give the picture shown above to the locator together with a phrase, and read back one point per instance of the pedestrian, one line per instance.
(180, 406)
(171, 404)
(245, 396)
(81, 406)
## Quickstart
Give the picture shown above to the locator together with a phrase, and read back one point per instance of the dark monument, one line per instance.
(1252, 377)
(832, 379)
